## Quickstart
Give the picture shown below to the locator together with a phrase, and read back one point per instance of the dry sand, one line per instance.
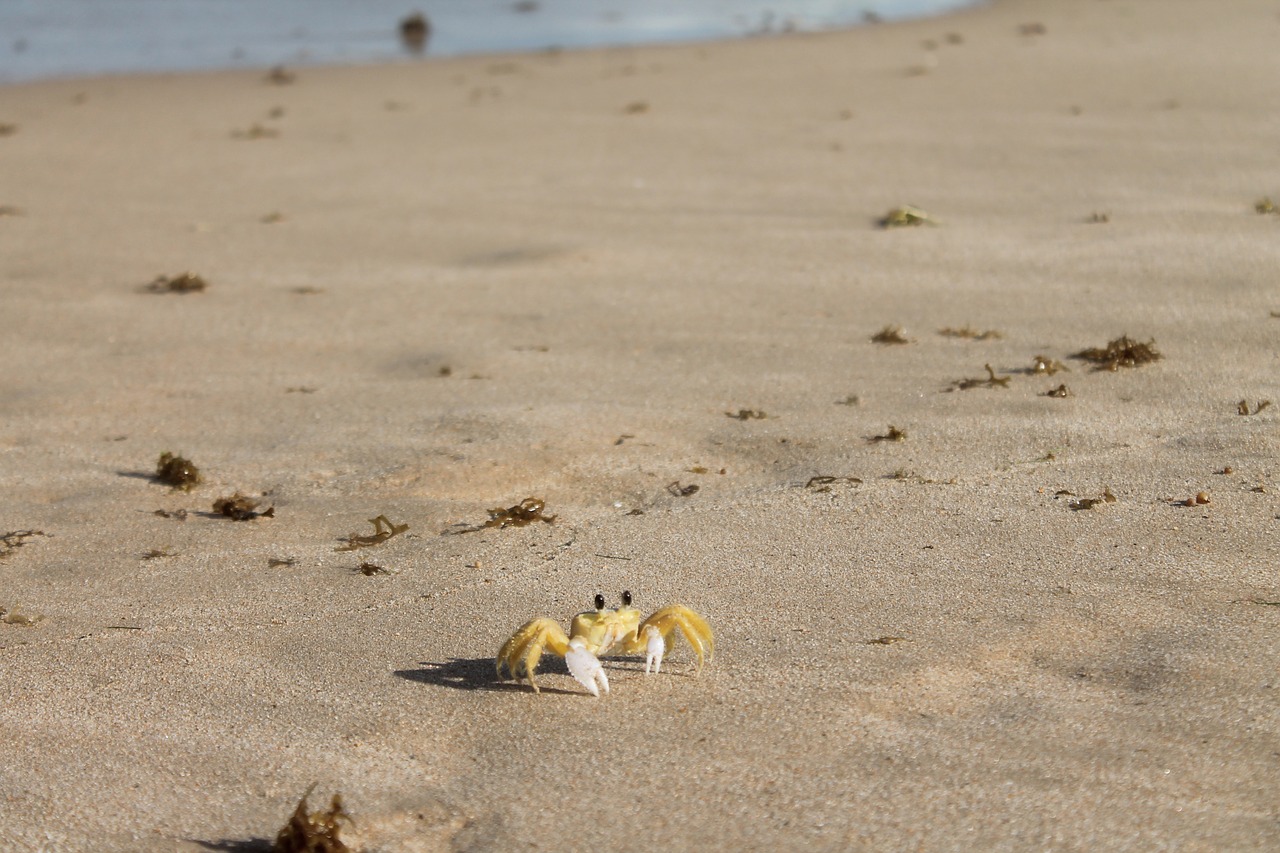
(500, 277)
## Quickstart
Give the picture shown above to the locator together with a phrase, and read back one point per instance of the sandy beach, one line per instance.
(970, 591)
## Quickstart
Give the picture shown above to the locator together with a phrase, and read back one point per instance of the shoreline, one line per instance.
(952, 608)
(508, 35)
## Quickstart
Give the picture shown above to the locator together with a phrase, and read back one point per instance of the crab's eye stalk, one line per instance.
(626, 598)
(599, 601)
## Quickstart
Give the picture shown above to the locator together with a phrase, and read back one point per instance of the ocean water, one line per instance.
(59, 38)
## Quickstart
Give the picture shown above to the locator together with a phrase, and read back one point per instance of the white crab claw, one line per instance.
(586, 667)
(654, 649)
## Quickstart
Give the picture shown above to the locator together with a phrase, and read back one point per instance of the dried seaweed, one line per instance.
(894, 434)
(906, 217)
(1060, 391)
(240, 507)
(180, 514)
(992, 381)
(370, 569)
(158, 553)
(1042, 365)
(679, 491)
(383, 530)
(824, 482)
(1265, 206)
(186, 282)
(15, 539)
(276, 562)
(1121, 352)
(747, 415)
(314, 831)
(527, 511)
(1242, 407)
(177, 472)
(890, 335)
(971, 334)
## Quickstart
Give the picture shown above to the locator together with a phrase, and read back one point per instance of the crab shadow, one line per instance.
(478, 674)
(481, 674)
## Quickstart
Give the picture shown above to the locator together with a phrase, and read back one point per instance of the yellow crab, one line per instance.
(596, 632)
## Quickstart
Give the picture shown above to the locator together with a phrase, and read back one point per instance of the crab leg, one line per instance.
(654, 635)
(520, 654)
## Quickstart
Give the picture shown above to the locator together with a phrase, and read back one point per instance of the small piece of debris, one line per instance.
(8, 129)
(415, 30)
(969, 333)
(277, 562)
(851, 400)
(1043, 365)
(887, 641)
(20, 619)
(1121, 352)
(894, 434)
(9, 210)
(1265, 206)
(240, 507)
(383, 530)
(824, 482)
(177, 472)
(636, 108)
(158, 553)
(370, 569)
(280, 76)
(1099, 218)
(272, 218)
(314, 832)
(991, 381)
(746, 415)
(679, 491)
(180, 514)
(1060, 391)
(890, 335)
(1242, 407)
(1089, 503)
(256, 131)
(182, 283)
(906, 217)
(1034, 28)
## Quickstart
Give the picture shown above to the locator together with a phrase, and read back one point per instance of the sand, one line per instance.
(440, 288)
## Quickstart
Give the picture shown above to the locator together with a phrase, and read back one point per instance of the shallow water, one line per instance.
(55, 38)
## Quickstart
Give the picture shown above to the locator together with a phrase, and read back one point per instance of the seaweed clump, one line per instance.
(15, 539)
(383, 530)
(240, 507)
(1121, 352)
(177, 472)
(992, 381)
(316, 831)
(906, 217)
(890, 335)
(527, 511)
(183, 283)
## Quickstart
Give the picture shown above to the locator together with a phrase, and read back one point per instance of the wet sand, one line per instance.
(440, 289)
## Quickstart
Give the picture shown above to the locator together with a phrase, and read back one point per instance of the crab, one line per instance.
(596, 632)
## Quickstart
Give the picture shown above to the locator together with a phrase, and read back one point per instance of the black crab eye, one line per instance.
(626, 598)
(599, 601)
